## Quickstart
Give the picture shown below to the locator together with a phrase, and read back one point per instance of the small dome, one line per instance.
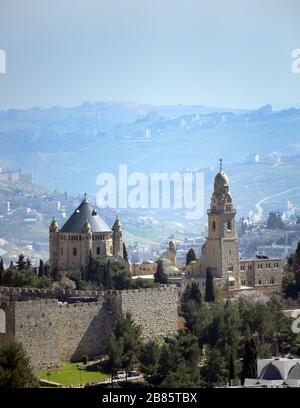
(117, 224)
(53, 226)
(294, 373)
(172, 246)
(221, 180)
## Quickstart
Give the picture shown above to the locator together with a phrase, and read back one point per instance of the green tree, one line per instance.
(41, 271)
(214, 371)
(21, 263)
(115, 350)
(184, 376)
(47, 270)
(232, 374)
(125, 253)
(160, 276)
(149, 359)
(209, 287)
(15, 370)
(125, 342)
(190, 256)
(190, 300)
(296, 258)
(28, 264)
(1, 270)
(54, 274)
(249, 362)
(275, 221)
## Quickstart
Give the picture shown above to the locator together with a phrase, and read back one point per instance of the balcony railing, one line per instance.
(210, 211)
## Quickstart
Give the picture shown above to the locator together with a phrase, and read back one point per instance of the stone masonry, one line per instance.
(53, 332)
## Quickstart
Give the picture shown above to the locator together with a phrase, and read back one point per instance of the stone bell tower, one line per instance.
(117, 238)
(53, 244)
(88, 243)
(220, 252)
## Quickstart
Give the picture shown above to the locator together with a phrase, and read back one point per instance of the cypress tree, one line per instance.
(296, 258)
(190, 256)
(46, 270)
(209, 287)
(54, 274)
(160, 276)
(1, 270)
(232, 374)
(41, 271)
(107, 275)
(249, 369)
(125, 254)
(195, 293)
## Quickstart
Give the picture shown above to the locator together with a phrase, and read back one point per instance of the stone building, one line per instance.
(171, 253)
(84, 233)
(220, 251)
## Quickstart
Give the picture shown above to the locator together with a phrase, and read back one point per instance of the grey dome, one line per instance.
(294, 373)
(270, 372)
(85, 213)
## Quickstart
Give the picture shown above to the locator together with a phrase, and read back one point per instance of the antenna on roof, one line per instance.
(221, 164)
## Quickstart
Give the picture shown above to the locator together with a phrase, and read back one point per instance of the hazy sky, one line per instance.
(232, 53)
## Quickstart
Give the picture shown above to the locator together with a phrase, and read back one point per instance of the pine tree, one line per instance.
(160, 275)
(28, 264)
(21, 263)
(15, 370)
(11, 265)
(209, 287)
(124, 343)
(125, 254)
(190, 256)
(107, 275)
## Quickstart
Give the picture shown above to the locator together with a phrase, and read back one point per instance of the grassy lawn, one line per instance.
(69, 374)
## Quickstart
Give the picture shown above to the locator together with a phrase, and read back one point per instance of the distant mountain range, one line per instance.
(66, 148)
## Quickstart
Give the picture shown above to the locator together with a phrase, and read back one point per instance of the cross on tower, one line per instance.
(221, 164)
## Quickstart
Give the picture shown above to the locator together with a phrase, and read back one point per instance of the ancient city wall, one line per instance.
(37, 327)
(53, 332)
(83, 329)
(155, 310)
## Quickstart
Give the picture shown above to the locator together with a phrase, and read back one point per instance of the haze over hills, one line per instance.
(66, 148)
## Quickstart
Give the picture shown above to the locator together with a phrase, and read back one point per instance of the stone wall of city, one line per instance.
(53, 332)
(155, 310)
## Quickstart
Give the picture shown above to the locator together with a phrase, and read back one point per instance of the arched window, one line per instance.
(228, 225)
(98, 250)
(214, 225)
(74, 251)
